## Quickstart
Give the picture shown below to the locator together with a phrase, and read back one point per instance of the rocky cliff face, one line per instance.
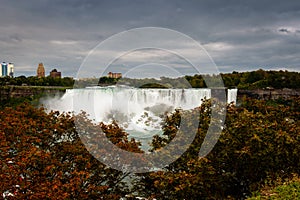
(267, 94)
(7, 92)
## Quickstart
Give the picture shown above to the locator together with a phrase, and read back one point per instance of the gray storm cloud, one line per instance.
(238, 35)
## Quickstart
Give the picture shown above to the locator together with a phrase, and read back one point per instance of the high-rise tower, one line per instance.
(4, 69)
(10, 69)
(40, 72)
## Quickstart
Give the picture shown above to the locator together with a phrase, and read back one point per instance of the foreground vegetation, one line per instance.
(288, 189)
(42, 156)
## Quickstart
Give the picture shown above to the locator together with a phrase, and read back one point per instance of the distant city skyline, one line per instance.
(238, 36)
(6, 69)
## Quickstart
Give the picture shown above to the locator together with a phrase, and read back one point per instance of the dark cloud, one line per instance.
(284, 30)
(238, 35)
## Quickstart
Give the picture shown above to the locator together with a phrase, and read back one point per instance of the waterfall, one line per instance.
(101, 101)
(136, 110)
(232, 95)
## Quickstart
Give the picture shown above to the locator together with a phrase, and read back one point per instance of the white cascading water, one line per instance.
(232, 95)
(137, 110)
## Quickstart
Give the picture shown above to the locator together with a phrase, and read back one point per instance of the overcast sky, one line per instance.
(238, 35)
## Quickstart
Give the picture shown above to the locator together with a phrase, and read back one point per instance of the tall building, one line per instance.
(114, 75)
(55, 74)
(40, 72)
(6, 69)
(10, 69)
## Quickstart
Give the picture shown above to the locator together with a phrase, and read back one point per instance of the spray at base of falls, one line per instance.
(139, 111)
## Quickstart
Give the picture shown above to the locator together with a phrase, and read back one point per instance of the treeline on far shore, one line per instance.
(36, 81)
(259, 79)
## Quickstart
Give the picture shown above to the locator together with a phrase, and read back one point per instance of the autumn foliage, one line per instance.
(43, 157)
(260, 141)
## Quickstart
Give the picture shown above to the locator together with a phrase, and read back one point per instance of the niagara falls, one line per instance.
(139, 111)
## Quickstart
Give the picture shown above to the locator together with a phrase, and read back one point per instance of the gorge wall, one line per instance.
(268, 94)
(8, 92)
